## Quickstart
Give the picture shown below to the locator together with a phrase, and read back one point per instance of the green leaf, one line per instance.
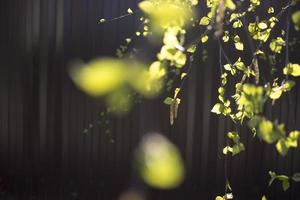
(204, 38)
(292, 69)
(227, 67)
(237, 24)
(294, 135)
(237, 148)
(229, 4)
(161, 167)
(204, 21)
(227, 150)
(262, 25)
(276, 93)
(285, 185)
(288, 85)
(296, 177)
(234, 136)
(277, 44)
(183, 75)
(282, 177)
(270, 10)
(168, 100)
(226, 36)
(147, 6)
(296, 20)
(219, 198)
(265, 130)
(192, 49)
(282, 147)
(239, 64)
(221, 90)
(218, 108)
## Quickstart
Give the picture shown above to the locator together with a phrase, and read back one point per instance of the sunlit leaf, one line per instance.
(288, 85)
(159, 162)
(276, 93)
(262, 25)
(99, 77)
(204, 21)
(227, 150)
(292, 69)
(277, 44)
(266, 131)
(165, 13)
(264, 198)
(239, 46)
(183, 75)
(230, 4)
(218, 108)
(237, 24)
(282, 147)
(296, 20)
(226, 36)
(204, 38)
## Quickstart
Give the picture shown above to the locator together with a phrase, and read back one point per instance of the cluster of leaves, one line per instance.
(237, 146)
(283, 179)
(168, 20)
(271, 132)
(111, 79)
(249, 99)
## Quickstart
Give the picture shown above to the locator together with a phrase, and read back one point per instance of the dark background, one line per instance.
(44, 152)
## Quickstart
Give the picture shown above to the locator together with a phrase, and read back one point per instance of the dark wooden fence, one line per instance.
(45, 152)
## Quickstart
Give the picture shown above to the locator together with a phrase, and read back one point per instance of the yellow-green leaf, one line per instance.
(230, 4)
(296, 20)
(282, 147)
(204, 21)
(292, 69)
(270, 10)
(277, 44)
(239, 46)
(218, 108)
(264, 198)
(204, 38)
(276, 93)
(159, 162)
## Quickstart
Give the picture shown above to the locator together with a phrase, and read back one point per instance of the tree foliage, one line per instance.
(236, 25)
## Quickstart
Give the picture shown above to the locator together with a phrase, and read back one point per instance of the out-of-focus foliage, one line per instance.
(292, 69)
(237, 146)
(272, 132)
(159, 162)
(165, 13)
(296, 20)
(117, 79)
